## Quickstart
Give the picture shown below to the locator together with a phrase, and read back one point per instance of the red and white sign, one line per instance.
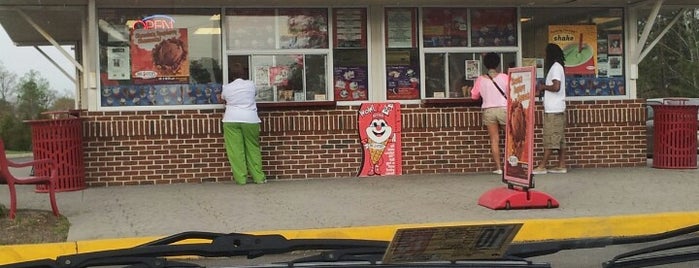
(379, 132)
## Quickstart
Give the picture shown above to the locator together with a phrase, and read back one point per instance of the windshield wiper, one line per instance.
(653, 255)
(533, 249)
(221, 245)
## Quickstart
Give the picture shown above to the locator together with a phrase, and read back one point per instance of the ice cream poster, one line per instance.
(379, 133)
(159, 56)
(402, 83)
(351, 83)
(519, 130)
(579, 44)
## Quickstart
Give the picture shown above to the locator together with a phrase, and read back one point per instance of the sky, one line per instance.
(20, 60)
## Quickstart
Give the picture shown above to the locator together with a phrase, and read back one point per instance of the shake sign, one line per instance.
(579, 44)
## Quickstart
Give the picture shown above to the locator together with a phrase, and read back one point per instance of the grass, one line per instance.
(32, 226)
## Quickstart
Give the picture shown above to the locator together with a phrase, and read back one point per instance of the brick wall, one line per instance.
(178, 146)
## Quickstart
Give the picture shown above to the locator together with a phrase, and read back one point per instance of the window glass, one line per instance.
(154, 57)
(286, 77)
(445, 27)
(493, 27)
(251, 28)
(351, 74)
(402, 54)
(350, 66)
(451, 75)
(593, 43)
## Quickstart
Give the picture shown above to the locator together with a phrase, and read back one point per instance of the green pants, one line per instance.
(242, 141)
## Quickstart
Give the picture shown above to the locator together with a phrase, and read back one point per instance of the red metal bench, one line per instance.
(6, 177)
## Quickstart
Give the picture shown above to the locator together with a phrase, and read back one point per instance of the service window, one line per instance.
(285, 50)
(454, 41)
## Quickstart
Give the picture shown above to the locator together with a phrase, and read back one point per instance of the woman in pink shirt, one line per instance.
(493, 87)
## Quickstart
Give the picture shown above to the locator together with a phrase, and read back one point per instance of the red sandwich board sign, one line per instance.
(519, 129)
(519, 148)
(379, 134)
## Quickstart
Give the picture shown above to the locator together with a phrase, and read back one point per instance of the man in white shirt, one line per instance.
(554, 91)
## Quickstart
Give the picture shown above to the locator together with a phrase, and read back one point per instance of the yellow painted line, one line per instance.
(533, 230)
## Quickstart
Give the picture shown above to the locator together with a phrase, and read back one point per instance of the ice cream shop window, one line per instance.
(159, 57)
(285, 50)
(592, 40)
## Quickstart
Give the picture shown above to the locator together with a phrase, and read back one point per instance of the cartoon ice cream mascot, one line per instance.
(378, 133)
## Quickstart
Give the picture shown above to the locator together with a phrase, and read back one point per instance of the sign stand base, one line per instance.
(509, 198)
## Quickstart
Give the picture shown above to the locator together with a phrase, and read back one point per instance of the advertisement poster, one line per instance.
(303, 28)
(119, 63)
(279, 75)
(493, 27)
(400, 27)
(351, 83)
(379, 133)
(445, 27)
(159, 56)
(595, 86)
(579, 44)
(615, 44)
(350, 27)
(614, 68)
(403, 83)
(519, 130)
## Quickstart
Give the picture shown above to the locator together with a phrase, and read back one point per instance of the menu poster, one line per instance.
(350, 27)
(303, 28)
(473, 69)
(351, 83)
(400, 27)
(493, 27)
(403, 83)
(519, 129)
(261, 76)
(615, 44)
(118, 63)
(579, 45)
(379, 127)
(445, 27)
(159, 56)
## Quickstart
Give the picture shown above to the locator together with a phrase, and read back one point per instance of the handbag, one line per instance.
(496, 85)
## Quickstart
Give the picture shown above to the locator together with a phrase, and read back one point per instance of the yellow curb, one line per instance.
(533, 230)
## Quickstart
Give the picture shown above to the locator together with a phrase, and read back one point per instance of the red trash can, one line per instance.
(60, 139)
(675, 136)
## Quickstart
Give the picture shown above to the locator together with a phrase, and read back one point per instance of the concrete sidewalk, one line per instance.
(157, 210)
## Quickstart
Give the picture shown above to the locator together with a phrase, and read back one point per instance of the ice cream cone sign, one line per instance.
(380, 140)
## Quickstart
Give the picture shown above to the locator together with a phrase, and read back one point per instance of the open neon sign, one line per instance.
(155, 22)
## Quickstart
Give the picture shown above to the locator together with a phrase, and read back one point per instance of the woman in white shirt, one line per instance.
(241, 127)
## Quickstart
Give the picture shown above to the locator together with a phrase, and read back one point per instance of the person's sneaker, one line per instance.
(538, 171)
(559, 170)
(497, 171)
(261, 182)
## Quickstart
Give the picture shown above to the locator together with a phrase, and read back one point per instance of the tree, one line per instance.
(8, 83)
(63, 104)
(670, 68)
(34, 96)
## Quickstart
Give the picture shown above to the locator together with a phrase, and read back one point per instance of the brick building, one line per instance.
(139, 129)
